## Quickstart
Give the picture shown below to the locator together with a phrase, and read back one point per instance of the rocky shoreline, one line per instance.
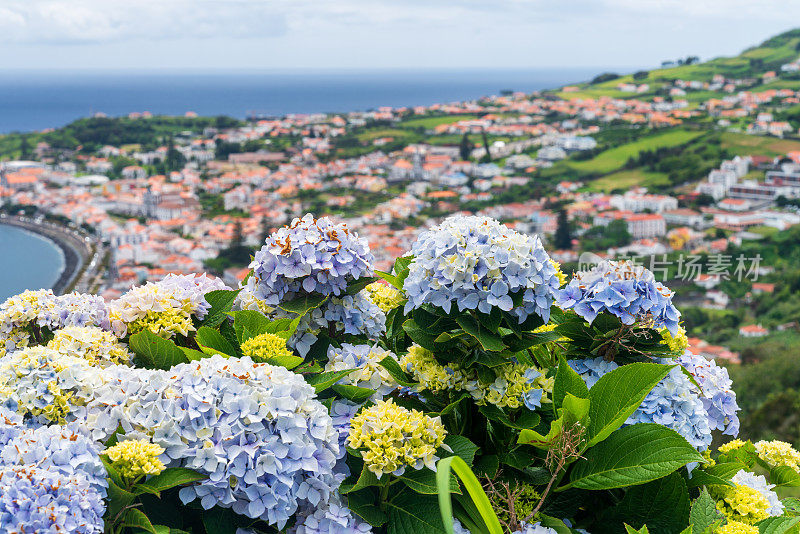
(75, 250)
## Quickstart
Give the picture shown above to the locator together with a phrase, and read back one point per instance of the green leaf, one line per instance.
(251, 321)
(396, 372)
(777, 525)
(357, 285)
(353, 393)
(362, 503)
(304, 304)
(784, 476)
(632, 455)
(719, 474)
(156, 352)
(192, 354)
(221, 302)
(419, 335)
(135, 518)
(365, 479)
(213, 342)
(791, 506)
(118, 498)
(462, 447)
(223, 521)
(489, 340)
(704, 514)
(392, 279)
(412, 513)
(567, 381)
(473, 486)
(289, 362)
(662, 505)
(424, 481)
(323, 381)
(574, 411)
(169, 478)
(630, 530)
(618, 394)
(525, 419)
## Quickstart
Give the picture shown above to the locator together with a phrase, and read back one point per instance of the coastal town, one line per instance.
(654, 165)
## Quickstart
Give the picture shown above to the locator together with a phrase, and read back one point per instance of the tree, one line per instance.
(640, 75)
(175, 160)
(24, 148)
(465, 148)
(563, 237)
(488, 156)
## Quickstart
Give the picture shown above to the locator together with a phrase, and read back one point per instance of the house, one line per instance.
(683, 217)
(763, 287)
(753, 330)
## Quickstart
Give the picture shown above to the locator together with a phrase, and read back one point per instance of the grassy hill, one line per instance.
(751, 63)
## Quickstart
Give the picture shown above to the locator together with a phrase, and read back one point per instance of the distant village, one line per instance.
(156, 224)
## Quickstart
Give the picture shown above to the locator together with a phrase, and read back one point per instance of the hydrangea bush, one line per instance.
(475, 388)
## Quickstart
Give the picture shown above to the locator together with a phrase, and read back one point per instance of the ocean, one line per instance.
(27, 261)
(33, 100)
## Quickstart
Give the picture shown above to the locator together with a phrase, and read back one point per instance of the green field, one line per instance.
(757, 145)
(371, 135)
(613, 159)
(434, 121)
(627, 179)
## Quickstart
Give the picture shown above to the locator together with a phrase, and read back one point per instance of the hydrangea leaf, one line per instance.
(618, 394)
(362, 503)
(632, 455)
(704, 515)
(323, 381)
(212, 342)
(777, 525)
(221, 301)
(567, 381)
(670, 513)
(156, 352)
(171, 477)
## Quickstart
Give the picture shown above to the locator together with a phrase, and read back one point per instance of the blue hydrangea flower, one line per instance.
(65, 450)
(534, 528)
(367, 372)
(309, 256)
(267, 445)
(717, 393)
(44, 501)
(478, 263)
(76, 309)
(674, 402)
(628, 291)
(332, 518)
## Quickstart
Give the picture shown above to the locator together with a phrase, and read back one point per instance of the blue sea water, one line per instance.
(27, 261)
(34, 100)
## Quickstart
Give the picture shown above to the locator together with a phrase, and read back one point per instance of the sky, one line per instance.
(205, 35)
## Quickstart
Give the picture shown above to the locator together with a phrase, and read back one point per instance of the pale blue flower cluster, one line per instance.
(354, 315)
(674, 402)
(332, 518)
(717, 393)
(51, 480)
(65, 450)
(47, 502)
(364, 361)
(76, 309)
(477, 263)
(525, 528)
(309, 256)
(534, 528)
(192, 288)
(621, 288)
(256, 430)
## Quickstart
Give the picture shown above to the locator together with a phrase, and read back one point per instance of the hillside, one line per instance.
(751, 63)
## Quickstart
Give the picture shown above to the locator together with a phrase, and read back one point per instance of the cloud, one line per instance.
(100, 21)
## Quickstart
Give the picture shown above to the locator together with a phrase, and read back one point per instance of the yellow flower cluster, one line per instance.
(16, 313)
(678, 343)
(742, 503)
(731, 445)
(392, 438)
(164, 323)
(430, 374)
(778, 453)
(511, 386)
(384, 296)
(562, 278)
(136, 458)
(93, 344)
(265, 347)
(58, 410)
(736, 527)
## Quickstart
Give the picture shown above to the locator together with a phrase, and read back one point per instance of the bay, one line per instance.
(27, 261)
